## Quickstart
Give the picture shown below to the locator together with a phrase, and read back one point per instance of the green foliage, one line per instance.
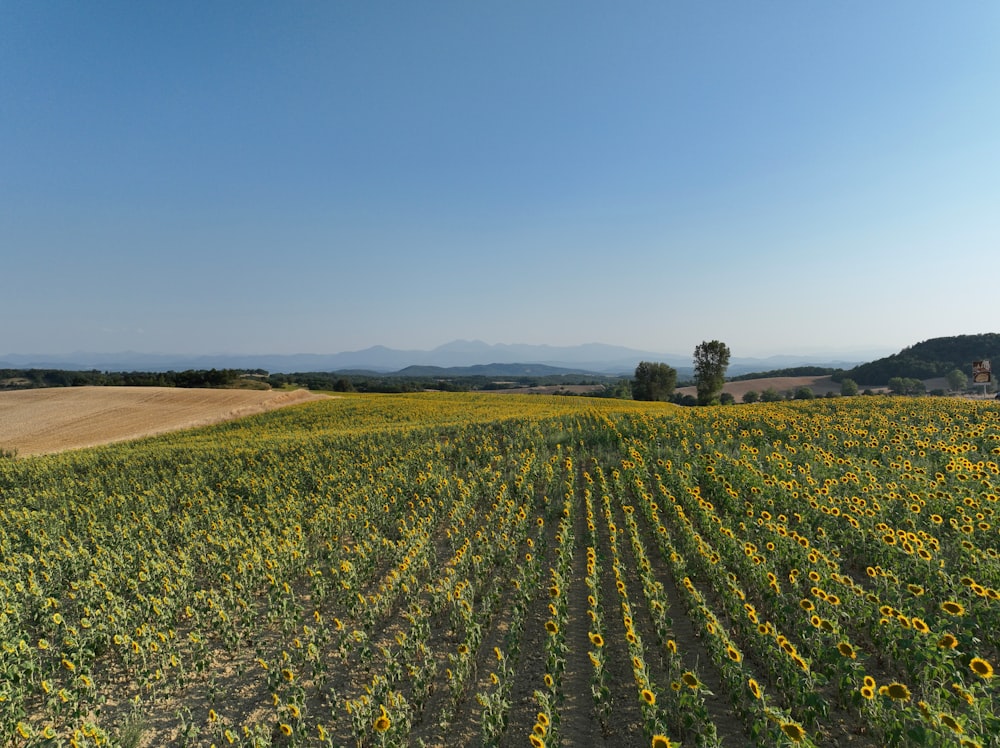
(906, 386)
(957, 380)
(931, 358)
(804, 393)
(710, 362)
(33, 378)
(653, 381)
(750, 396)
(770, 395)
(848, 387)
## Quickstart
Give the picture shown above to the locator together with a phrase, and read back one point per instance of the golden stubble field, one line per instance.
(42, 421)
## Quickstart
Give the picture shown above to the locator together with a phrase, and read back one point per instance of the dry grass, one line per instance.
(48, 420)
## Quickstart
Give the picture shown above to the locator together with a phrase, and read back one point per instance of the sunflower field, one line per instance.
(482, 570)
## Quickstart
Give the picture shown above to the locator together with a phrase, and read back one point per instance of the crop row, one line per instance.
(433, 569)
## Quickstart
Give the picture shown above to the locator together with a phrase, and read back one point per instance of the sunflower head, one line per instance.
(948, 641)
(897, 692)
(793, 731)
(952, 608)
(846, 650)
(981, 667)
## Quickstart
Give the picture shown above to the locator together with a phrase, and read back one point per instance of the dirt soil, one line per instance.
(41, 421)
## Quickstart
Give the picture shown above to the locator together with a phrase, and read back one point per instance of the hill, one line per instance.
(929, 359)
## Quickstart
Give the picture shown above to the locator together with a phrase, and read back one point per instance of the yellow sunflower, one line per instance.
(981, 667)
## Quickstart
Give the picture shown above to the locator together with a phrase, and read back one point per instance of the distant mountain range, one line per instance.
(598, 358)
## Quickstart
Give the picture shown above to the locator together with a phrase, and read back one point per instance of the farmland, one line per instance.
(39, 421)
(458, 569)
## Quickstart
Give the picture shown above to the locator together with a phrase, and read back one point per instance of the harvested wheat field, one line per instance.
(40, 421)
(820, 385)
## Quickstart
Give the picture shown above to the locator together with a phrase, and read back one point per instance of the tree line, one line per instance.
(31, 378)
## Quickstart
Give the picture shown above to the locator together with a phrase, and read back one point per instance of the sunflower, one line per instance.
(542, 718)
(536, 742)
(952, 608)
(981, 667)
(868, 692)
(948, 641)
(662, 741)
(648, 696)
(969, 699)
(597, 640)
(897, 692)
(846, 650)
(286, 729)
(382, 723)
(951, 723)
(794, 731)
(690, 679)
(539, 730)
(552, 627)
(734, 654)
(754, 688)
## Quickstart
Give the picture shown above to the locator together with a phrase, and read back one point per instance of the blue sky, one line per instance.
(241, 177)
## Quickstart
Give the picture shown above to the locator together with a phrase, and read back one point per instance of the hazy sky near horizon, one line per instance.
(248, 177)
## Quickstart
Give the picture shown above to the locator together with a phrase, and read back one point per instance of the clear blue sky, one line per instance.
(243, 177)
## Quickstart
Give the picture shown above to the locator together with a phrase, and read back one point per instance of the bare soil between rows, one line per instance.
(43, 421)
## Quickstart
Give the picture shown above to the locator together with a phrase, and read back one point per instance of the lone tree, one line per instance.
(957, 381)
(710, 362)
(653, 381)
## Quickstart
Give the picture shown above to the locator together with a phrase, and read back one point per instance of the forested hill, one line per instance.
(931, 358)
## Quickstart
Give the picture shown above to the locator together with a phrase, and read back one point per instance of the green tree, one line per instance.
(804, 393)
(711, 359)
(957, 380)
(750, 396)
(906, 386)
(848, 387)
(653, 381)
(770, 395)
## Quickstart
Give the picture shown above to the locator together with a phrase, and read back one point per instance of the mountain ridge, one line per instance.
(600, 358)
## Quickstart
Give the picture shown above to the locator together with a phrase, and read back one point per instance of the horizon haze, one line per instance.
(594, 357)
